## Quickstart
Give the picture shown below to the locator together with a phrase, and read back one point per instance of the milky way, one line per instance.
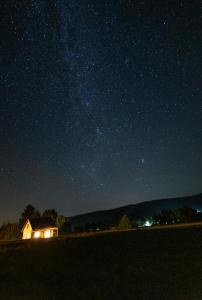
(101, 103)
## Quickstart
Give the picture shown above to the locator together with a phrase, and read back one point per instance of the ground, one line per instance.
(142, 264)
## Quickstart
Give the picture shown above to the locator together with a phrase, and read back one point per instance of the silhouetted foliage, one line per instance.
(61, 221)
(29, 212)
(187, 214)
(63, 224)
(124, 223)
(176, 216)
(51, 213)
(134, 224)
(65, 228)
(93, 226)
(10, 231)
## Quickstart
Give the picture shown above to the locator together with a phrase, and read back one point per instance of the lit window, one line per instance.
(47, 234)
(37, 234)
(28, 236)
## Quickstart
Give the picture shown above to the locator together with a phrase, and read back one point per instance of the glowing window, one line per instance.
(47, 234)
(37, 234)
(28, 236)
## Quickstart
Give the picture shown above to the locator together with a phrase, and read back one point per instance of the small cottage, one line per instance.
(39, 228)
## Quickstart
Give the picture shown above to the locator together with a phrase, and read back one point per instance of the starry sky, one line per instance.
(101, 103)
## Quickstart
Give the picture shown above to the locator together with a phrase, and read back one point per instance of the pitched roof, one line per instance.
(40, 223)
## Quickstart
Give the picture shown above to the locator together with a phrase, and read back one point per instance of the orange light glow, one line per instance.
(28, 236)
(47, 234)
(37, 234)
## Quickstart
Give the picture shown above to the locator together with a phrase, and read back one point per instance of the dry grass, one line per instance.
(138, 264)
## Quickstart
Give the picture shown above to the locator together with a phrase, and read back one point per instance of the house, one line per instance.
(39, 228)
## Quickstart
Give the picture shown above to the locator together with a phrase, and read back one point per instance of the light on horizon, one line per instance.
(147, 223)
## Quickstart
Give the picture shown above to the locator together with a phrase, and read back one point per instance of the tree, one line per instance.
(187, 214)
(181, 215)
(167, 216)
(134, 224)
(10, 231)
(51, 213)
(124, 223)
(29, 212)
(63, 224)
(156, 218)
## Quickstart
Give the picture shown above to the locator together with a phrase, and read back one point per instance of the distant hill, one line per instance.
(136, 211)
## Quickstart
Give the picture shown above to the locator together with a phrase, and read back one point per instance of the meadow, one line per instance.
(139, 264)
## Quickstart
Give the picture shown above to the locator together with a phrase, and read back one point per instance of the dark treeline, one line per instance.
(11, 231)
(165, 217)
(177, 216)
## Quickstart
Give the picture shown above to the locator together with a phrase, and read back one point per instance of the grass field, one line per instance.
(143, 264)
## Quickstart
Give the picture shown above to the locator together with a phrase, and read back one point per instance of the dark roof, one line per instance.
(40, 223)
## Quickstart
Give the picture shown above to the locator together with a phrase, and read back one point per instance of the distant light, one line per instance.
(37, 234)
(148, 223)
(47, 234)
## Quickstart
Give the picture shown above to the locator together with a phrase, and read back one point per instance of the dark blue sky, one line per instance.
(101, 103)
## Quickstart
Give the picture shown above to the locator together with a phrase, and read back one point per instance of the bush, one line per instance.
(124, 223)
(10, 231)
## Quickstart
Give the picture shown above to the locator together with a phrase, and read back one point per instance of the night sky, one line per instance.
(101, 103)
